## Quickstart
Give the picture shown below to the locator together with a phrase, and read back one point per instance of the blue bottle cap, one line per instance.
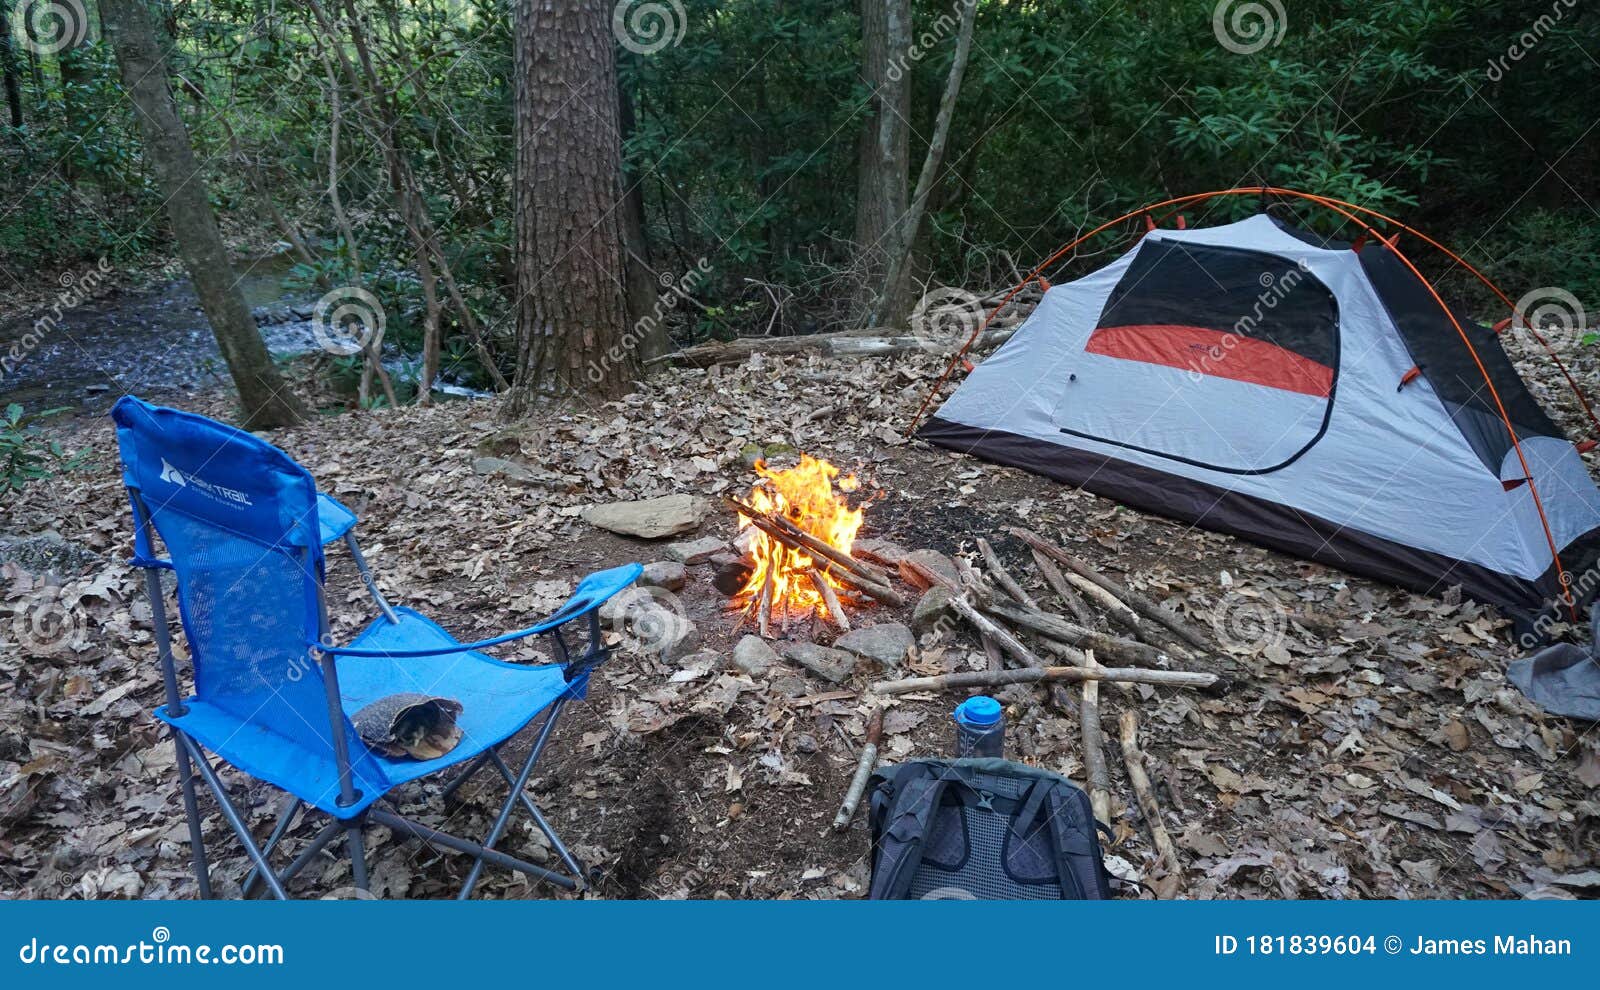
(980, 710)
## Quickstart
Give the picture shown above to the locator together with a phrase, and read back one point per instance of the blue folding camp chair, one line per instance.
(245, 528)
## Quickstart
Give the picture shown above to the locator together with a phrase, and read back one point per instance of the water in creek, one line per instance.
(149, 343)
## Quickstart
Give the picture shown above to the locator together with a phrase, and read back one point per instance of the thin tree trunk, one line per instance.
(266, 399)
(644, 290)
(894, 288)
(884, 149)
(571, 314)
(8, 66)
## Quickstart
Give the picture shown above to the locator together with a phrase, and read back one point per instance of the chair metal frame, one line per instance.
(192, 761)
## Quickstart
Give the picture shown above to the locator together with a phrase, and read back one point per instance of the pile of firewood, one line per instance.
(1153, 642)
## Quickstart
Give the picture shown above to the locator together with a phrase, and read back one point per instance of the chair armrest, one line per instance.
(592, 592)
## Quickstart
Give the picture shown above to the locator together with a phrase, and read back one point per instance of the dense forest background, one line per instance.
(375, 139)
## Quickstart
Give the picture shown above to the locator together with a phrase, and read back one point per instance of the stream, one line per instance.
(149, 343)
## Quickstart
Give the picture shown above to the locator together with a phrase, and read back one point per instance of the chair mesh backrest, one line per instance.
(239, 521)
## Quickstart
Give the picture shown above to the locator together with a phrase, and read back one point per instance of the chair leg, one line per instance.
(191, 810)
(358, 855)
(516, 792)
(291, 804)
(231, 813)
(329, 832)
(567, 857)
(435, 837)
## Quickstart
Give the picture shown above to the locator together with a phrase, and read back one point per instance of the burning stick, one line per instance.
(764, 607)
(1147, 797)
(864, 765)
(789, 534)
(829, 599)
(854, 578)
(984, 678)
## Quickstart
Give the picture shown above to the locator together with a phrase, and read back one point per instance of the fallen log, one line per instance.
(845, 343)
(864, 766)
(1058, 583)
(1146, 796)
(1130, 598)
(1002, 577)
(1036, 675)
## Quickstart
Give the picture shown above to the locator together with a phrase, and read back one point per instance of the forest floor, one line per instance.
(1372, 747)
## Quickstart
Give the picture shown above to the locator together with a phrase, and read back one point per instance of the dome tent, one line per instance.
(1315, 396)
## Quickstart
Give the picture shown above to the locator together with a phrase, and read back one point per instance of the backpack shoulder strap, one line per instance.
(905, 827)
(1078, 856)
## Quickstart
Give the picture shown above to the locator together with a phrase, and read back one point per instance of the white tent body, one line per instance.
(1348, 456)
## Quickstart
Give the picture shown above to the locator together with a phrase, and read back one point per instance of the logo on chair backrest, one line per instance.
(229, 496)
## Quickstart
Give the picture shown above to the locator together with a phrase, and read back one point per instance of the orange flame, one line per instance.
(804, 495)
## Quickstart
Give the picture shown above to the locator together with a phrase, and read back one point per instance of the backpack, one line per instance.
(982, 829)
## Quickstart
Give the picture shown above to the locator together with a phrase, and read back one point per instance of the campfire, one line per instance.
(802, 533)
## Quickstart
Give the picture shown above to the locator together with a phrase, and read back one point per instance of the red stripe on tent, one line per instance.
(1216, 353)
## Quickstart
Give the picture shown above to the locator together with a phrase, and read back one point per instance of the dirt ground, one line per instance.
(1370, 746)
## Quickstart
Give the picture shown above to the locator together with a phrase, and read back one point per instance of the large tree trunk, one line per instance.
(572, 334)
(883, 153)
(266, 399)
(893, 302)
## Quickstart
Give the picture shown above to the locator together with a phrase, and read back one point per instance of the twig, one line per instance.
(829, 599)
(1124, 595)
(1094, 747)
(997, 570)
(1147, 797)
(864, 766)
(1058, 583)
(764, 607)
(963, 607)
(984, 678)
(1055, 627)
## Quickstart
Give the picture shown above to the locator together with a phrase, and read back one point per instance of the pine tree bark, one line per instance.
(572, 332)
(263, 394)
(883, 160)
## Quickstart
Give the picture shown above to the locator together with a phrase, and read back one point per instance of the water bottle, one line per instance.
(980, 730)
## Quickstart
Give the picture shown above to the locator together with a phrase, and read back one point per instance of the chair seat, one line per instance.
(498, 700)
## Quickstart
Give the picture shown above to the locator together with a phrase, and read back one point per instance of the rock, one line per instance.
(753, 656)
(886, 643)
(696, 551)
(932, 609)
(500, 467)
(790, 686)
(651, 518)
(668, 574)
(934, 561)
(879, 550)
(665, 632)
(48, 553)
(830, 665)
(731, 574)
